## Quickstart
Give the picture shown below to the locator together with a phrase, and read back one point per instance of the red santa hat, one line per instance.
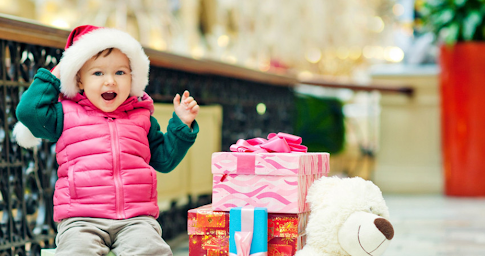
(82, 44)
(86, 41)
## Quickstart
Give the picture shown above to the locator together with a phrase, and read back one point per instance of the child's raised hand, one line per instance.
(186, 109)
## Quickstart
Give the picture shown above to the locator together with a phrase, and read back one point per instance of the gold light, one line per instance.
(355, 53)
(313, 55)
(264, 65)
(197, 52)
(60, 23)
(376, 24)
(223, 41)
(398, 9)
(8, 6)
(261, 108)
(231, 59)
(305, 75)
(158, 44)
(394, 54)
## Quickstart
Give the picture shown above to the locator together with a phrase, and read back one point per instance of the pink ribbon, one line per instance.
(244, 237)
(243, 242)
(280, 143)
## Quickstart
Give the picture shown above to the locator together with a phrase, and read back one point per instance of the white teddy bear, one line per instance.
(348, 217)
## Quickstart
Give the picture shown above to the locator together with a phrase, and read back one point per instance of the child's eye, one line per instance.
(119, 73)
(98, 73)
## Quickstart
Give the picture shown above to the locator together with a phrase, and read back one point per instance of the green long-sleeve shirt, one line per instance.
(40, 110)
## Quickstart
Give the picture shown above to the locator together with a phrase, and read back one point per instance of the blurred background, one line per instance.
(357, 78)
(301, 38)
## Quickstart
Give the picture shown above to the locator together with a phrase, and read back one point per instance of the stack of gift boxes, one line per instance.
(258, 204)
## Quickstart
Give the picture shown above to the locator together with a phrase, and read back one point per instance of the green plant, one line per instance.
(454, 20)
(320, 123)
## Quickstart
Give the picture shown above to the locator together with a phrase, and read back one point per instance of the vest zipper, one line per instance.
(115, 148)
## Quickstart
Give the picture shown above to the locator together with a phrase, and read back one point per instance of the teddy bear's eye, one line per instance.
(376, 213)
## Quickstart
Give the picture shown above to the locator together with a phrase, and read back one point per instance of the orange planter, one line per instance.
(463, 118)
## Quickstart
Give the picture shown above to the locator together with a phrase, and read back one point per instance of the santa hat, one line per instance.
(86, 41)
(82, 44)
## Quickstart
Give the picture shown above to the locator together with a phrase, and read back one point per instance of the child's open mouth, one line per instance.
(108, 95)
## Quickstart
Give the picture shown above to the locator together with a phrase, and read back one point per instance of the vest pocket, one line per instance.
(154, 183)
(72, 186)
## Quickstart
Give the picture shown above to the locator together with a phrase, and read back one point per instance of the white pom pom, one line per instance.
(24, 137)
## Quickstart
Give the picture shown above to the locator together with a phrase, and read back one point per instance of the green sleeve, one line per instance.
(39, 108)
(167, 150)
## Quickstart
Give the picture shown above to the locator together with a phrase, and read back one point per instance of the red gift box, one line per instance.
(286, 233)
(209, 232)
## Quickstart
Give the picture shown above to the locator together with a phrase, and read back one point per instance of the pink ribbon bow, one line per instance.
(280, 143)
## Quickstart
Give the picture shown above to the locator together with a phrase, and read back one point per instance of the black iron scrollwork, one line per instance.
(26, 182)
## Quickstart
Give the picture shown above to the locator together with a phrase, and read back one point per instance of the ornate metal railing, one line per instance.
(27, 176)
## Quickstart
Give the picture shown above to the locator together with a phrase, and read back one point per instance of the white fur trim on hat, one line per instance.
(24, 137)
(95, 41)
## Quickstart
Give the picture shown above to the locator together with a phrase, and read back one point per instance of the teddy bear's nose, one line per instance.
(385, 227)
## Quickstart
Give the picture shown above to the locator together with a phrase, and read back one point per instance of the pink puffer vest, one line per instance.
(103, 161)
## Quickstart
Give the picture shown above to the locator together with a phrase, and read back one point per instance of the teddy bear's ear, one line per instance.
(379, 206)
(320, 188)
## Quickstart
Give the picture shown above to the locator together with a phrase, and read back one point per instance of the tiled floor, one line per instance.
(430, 225)
(437, 225)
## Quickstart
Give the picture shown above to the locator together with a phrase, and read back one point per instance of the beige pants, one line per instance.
(96, 236)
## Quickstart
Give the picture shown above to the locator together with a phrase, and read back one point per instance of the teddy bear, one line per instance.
(348, 217)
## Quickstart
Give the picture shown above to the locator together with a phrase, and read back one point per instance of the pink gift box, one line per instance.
(277, 181)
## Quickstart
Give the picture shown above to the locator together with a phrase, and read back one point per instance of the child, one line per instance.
(108, 144)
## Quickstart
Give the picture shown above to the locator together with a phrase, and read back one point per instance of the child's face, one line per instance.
(106, 80)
